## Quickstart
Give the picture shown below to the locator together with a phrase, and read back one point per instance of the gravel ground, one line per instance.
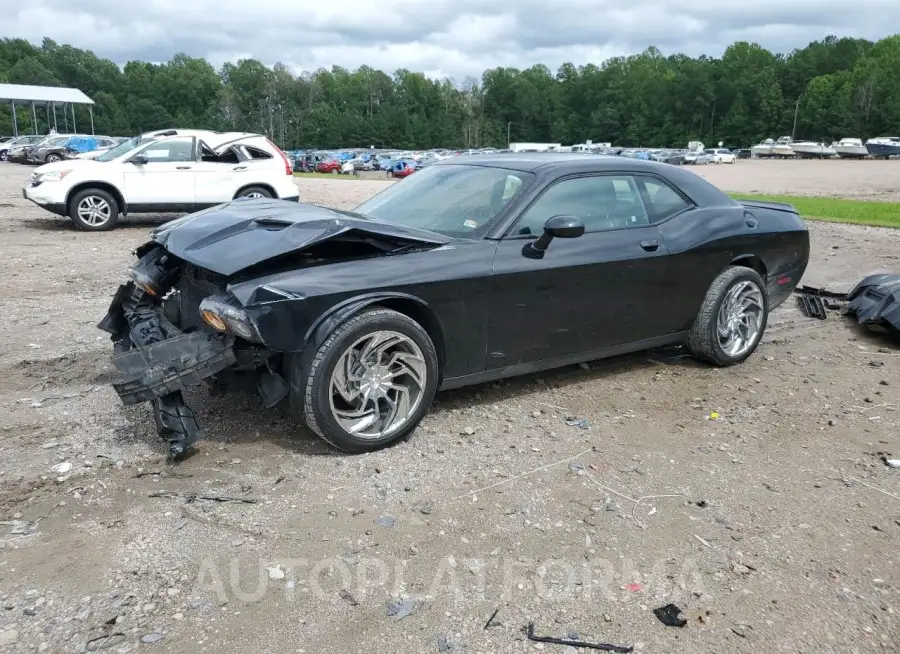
(777, 532)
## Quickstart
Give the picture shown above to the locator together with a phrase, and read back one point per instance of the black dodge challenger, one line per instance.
(470, 270)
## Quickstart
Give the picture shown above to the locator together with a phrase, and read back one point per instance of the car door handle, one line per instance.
(650, 246)
(240, 168)
(751, 222)
(182, 167)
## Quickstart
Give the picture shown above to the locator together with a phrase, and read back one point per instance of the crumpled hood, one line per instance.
(231, 237)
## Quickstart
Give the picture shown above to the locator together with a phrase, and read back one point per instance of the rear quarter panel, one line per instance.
(704, 242)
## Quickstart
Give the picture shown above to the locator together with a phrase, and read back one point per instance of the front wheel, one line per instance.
(94, 210)
(370, 382)
(732, 318)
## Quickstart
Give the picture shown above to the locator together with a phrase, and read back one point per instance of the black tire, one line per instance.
(254, 191)
(335, 171)
(703, 341)
(3, 155)
(311, 378)
(53, 158)
(86, 194)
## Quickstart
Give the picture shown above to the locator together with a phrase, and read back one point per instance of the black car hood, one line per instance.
(231, 237)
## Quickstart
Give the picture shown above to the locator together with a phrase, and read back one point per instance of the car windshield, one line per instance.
(123, 148)
(455, 200)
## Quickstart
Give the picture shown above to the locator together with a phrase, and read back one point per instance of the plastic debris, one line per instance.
(670, 615)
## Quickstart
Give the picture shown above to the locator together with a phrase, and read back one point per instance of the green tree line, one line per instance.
(834, 88)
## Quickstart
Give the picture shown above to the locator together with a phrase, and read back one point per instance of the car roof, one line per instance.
(559, 161)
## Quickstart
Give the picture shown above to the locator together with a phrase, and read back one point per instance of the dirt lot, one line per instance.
(781, 537)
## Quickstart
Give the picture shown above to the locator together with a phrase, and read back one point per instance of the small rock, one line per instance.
(468, 431)
(401, 608)
(536, 414)
(740, 569)
(740, 630)
(427, 508)
(275, 572)
(29, 610)
(385, 521)
(9, 637)
(151, 638)
(50, 445)
(884, 382)
(62, 468)
(832, 422)
(891, 463)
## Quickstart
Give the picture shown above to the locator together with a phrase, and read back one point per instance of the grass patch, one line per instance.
(837, 210)
(323, 176)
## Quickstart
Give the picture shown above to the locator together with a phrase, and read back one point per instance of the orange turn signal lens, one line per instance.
(214, 321)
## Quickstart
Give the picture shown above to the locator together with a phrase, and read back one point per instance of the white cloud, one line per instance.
(453, 38)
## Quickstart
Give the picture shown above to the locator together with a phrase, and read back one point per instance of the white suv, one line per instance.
(162, 172)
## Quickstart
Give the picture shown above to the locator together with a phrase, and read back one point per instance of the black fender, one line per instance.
(337, 314)
(297, 361)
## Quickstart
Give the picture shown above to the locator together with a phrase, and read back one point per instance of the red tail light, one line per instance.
(288, 169)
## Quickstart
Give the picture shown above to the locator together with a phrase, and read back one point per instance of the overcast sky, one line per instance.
(453, 38)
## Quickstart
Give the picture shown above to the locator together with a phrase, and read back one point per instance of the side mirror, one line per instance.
(138, 160)
(555, 227)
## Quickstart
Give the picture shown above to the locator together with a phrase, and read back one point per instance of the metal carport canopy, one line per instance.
(45, 95)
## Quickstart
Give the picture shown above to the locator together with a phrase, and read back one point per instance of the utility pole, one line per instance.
(508, 128)
(796, 111)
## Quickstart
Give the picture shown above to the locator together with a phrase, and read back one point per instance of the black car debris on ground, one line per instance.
(464, 273)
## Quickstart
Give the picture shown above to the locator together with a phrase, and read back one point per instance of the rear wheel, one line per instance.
(732, 318)
(369, 383)
(94, 210)
(254, 192)
(53, 158)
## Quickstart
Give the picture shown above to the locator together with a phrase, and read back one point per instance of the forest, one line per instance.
(833, 88)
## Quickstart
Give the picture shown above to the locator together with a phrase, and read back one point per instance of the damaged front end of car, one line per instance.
(175, 326)
(226, 296)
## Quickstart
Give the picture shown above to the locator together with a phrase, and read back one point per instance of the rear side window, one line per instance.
(256, 153)
(661, 199)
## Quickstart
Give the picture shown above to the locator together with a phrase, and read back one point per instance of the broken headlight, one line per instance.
(155, 272)
(220, 313)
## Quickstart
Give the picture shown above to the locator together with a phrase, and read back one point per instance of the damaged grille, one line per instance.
(194, 286)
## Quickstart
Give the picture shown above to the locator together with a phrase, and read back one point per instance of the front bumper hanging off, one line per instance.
(154, 362)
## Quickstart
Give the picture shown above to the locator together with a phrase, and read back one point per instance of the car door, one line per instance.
(220, 173)
(160, 177)
(587, 293)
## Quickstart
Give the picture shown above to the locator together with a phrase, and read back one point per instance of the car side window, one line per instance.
(602, 202)
(170, 150)
(662, 200)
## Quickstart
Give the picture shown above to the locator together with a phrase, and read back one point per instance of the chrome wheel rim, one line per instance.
(740, 318)
(377, 384)
(254, 194)
(94, 211)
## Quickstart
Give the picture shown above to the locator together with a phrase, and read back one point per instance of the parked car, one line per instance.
(742, 153)
(669, 156)
(18, 153)
(355, 319)
(18, 142)
(332, 166)
(62, 147)
(402, 168)
(162, 174)
(721, 155)
(91, 147)
(694, 157)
